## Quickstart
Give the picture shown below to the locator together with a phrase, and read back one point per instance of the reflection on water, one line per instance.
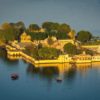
(2, 53)
(38, 82)
(3, 56)
(65, 71)
(83, 68)
(43, 72)
(70, 74)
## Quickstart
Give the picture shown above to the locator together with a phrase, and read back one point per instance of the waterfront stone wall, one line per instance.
(15, 53)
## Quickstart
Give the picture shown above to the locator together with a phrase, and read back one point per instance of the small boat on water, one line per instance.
(58, 79)
(14, 76)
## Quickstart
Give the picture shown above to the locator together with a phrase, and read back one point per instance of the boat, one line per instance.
(58, 79)
(14, 76)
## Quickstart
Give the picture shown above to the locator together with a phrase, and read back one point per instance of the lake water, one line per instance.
(81, 82)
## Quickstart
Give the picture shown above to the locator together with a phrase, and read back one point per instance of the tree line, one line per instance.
(12, 31)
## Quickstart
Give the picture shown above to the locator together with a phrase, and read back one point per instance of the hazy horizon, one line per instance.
(79, 14)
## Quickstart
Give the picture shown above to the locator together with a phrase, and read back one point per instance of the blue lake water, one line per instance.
(78, 83)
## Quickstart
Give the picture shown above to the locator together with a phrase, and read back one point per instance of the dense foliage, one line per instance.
(48, 53)
(33, 27)
(69, 48)
(51, 29)
(84, 36)
(56, 27)
(40, 52)
(12, 31)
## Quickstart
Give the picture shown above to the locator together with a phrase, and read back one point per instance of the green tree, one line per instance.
(64, 28)
(84, 36)
(56, 27)
(61, 35)
(21, 26)
(48, 53)
(5, 26)
(32, 51)
(48, 26)
(2, 38)
(70, 49)
(18, 28)
(8, 32)
(34, 27)
(37, 36)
